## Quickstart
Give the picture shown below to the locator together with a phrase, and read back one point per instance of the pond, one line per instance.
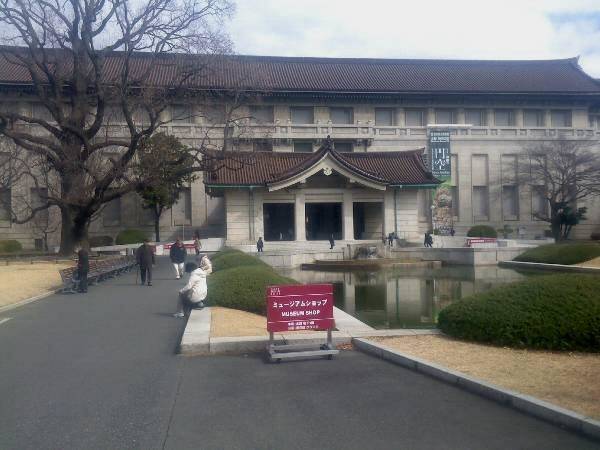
(401, 298)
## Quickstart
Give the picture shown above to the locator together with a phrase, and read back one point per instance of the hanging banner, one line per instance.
(439, 156)
(439, 151)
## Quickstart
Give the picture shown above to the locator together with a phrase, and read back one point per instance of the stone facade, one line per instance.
(480, 151)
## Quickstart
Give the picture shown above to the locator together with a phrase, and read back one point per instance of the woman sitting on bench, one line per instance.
(194, 292)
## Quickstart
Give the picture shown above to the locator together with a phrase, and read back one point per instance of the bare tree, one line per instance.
(560, 173)
(91, 64)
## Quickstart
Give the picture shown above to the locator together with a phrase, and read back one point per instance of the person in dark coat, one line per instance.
(177, 255)
(83, 267)
(145, 258)
(331, 242)
(260, 244)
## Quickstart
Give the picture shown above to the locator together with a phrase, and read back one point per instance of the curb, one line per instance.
(549, 267)
(521, 402)
(28, 300)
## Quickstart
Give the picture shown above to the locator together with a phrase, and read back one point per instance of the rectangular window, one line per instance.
(479, 170)
(145, 215)
(480, 203)
(342, 116)
(214, 114)
(510, 202)
(111, 215)
(303, 147)
(182, 209)
(560, 118)
(454, 194)
(533, 118)
(5, 204)
(262, 145)
(260, 114)
(415, 118)
(385, 117)
(476, 117)
(302, 114)
(181, 114)
(41, 112)
(39, 198)
(141, 117)
(343, 146)
(539, 204)
(444, 116)
(114, 115)
(504, 118)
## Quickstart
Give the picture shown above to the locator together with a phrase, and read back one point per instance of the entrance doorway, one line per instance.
(279, 221)
(323, 220)
(368, 220)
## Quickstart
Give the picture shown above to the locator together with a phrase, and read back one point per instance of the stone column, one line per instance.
(300, 220)
(389, 223)
(348, 212)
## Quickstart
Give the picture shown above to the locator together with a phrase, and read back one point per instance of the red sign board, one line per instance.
(168, 246)
(476, 241)
(300, 307)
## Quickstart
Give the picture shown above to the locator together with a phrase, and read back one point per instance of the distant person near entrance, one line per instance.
(197, 244)
(259, 245)
(331, 242)
(428, 241)
(177, 255)
(145, 258)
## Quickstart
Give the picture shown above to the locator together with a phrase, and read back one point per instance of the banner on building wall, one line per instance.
(441, 200)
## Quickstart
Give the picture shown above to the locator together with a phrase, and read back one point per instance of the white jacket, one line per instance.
(197, 285)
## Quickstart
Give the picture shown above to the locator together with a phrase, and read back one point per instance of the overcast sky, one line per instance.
(464, 29)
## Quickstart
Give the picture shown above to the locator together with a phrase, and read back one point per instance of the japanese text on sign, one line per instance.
(300, 307)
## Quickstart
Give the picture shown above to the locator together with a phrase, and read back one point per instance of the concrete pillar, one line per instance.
(300, 220)
(348, 212)
(349, 298)
(388, 212)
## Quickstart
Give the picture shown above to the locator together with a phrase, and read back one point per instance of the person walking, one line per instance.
(197, 244)
(259, 245)
(196, 289)
(390, 239)
(144, 256)
(428, 241)
(83, 267)
(331, 242)
(177, 255)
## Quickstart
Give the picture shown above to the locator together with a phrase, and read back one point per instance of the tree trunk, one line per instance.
(157, 228)
(74, 230)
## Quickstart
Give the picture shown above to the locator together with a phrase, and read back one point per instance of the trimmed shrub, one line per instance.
(130, 236)
(229, 259)
(243, 287)
(100, 241)
(482, 231)
(10, 246)
(556, 312)
(567, 253)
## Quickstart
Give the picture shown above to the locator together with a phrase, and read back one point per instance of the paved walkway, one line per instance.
(99, 371)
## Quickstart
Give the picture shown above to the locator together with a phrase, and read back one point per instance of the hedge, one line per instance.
(243, 287)
(557, 312)
(130, 236)
(10, 246)
(229, 258)
(100, 241)
(482, 231)
(567, 253)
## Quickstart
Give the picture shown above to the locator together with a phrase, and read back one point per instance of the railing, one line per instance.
(357, 131)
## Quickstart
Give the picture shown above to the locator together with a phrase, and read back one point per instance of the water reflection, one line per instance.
(404, 298)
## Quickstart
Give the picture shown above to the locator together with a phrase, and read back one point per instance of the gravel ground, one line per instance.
(591, 263)
(22, 281)
(232, 322)
(566, 379)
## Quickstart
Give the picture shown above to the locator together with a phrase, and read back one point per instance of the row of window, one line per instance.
(264, 114)
(266, 145)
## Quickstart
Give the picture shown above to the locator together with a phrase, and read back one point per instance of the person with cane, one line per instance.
(145, 259)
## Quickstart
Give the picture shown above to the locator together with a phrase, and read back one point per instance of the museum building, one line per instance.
(342, 147)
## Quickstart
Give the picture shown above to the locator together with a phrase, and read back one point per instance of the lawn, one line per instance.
(562, 253)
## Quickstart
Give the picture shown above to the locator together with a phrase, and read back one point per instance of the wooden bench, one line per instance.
(99, 270)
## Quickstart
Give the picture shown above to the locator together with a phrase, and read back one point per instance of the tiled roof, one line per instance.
(275, 74)
(265, 168)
